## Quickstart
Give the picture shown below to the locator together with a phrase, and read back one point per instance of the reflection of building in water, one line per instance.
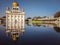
(29, 23)
(15, 18)
(14, 34)
(58, 25)
(57, 29)
(45, 25)
(35, 24)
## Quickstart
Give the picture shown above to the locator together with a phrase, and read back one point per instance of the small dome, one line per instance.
(15, 4)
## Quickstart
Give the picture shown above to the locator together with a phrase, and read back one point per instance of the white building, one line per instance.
(15, 18)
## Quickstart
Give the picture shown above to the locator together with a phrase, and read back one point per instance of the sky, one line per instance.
(33, 7)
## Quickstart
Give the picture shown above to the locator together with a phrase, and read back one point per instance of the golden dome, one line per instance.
(15, 4)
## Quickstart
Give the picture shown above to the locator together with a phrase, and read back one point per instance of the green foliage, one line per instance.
(36, 21)
(57, 14)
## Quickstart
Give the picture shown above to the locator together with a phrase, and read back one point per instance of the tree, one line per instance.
(57, 14)
(29, 18)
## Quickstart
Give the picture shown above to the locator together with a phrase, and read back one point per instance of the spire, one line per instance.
(7, 8)
(23, 10)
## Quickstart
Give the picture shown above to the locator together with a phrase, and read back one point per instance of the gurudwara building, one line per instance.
(15, 18)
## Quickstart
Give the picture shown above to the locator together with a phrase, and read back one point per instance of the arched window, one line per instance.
(15, 8)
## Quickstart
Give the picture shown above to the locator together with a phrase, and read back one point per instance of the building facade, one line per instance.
(15, 18)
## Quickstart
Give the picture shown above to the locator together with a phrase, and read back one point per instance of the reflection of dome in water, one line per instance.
(15, 4)
(14, 38)
(57, 29)
(15, 34)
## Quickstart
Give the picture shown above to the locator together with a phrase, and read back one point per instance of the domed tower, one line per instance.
(15, 4)
(16, 18)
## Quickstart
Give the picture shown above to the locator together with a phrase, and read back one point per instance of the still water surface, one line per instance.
(36, 34)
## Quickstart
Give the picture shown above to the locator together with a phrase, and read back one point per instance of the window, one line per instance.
(15, 16)
(8, 23)
(18, 16)
(11, 19)
(8, 16)
(11, 26)
(18, 27)
(22, 21)
(15, 21)
(8, 26)
(12, 16)
(21, 16)
(21, 26)
(8, 19)
(15, 8)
